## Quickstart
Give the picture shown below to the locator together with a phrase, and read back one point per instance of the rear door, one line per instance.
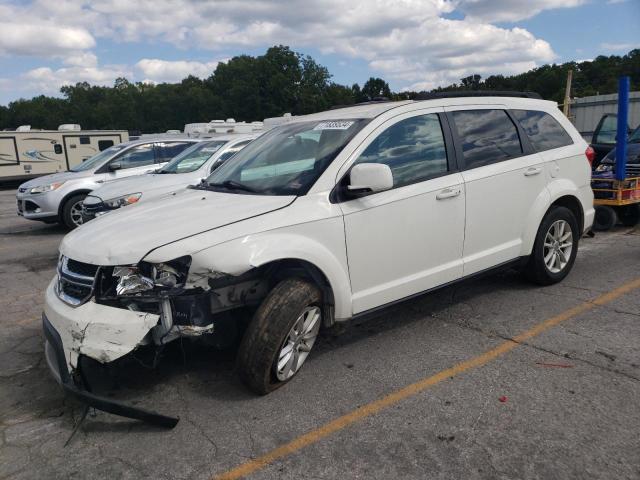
(503, 177)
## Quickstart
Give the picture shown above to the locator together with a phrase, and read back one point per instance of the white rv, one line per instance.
(27, 153)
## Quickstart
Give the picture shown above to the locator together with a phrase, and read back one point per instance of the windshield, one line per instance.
(193, 157)
(285, 161)
(635, 136)
(97, 159)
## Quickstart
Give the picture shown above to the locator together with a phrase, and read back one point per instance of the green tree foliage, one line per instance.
(253, 88)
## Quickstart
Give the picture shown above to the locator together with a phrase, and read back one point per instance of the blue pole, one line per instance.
(621, 138)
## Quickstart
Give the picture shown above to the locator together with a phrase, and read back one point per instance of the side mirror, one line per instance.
(369, 178)
(113, 166)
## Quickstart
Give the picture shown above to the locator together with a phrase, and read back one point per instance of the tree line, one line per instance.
(253, 88)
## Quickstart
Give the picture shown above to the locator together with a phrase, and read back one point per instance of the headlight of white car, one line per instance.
(46, 188)
(604, 167)
(123, 200)
(146, 276)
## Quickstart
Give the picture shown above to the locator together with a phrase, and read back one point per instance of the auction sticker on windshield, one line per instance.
(334, 125)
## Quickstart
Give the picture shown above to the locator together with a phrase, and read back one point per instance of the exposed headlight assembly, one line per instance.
(123, 200)
(46, 188)
(146, 277)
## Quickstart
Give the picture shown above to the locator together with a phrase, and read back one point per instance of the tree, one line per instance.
(375, 88)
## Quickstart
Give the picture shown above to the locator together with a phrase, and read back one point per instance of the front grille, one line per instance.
(75, 281)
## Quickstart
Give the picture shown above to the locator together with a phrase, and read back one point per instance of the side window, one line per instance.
(85, 141)
(104, 144)
(606, 131)
(487, 136)
(413, 148)
(543, 130)
(168, 150)
(137, 156)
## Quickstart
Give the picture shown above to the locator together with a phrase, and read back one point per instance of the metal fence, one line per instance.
(586, 112)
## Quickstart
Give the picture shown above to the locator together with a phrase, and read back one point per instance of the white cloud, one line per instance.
(511, 10)
(156, 70)
(406, 41)
(47, 80)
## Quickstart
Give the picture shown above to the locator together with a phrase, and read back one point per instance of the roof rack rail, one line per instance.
(477, 93)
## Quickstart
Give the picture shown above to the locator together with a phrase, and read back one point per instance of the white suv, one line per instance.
(326, 218)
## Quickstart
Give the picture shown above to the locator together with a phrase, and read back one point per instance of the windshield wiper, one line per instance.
(233, 185)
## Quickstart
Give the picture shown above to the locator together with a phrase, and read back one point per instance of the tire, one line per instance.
(271, 330)
(537, 269)
(69, 213)
(629, 215)
(605, 218)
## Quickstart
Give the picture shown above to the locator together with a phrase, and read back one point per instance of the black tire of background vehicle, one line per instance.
(66, 210)
(629, 215)
(605, 218)
(535, 270)
(265, 335)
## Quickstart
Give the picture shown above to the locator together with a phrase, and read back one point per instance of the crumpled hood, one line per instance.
(56, 177)
(126, 235)
(150, 184)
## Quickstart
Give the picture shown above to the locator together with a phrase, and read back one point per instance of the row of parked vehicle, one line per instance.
(324, 218)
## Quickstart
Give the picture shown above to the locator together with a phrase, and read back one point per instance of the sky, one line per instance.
(412, 44)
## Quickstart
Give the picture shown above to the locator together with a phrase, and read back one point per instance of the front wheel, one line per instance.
(280, 336)
(72, 211)
(555, 247)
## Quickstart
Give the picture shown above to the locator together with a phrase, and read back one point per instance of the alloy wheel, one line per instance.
(297, 345)
(558, 244)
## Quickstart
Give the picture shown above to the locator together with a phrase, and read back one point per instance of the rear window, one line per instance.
(487, 136)
(543, 130)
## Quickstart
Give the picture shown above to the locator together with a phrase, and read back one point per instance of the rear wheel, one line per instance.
(629, 215)
(72, 211)
(280, 336)
(555, 247)
(605, 218)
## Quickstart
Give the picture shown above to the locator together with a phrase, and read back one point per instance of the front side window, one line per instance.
(137, 156)
(192, 158)
(543, 130)
(413, 148)
(487, 136)
(286, 160)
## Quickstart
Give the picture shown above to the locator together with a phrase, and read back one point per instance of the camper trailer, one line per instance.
(27, 153)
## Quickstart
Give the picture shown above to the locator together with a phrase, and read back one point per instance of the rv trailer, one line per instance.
(27, 153)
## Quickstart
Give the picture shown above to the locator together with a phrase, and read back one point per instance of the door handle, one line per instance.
(532, 171)
(448, 193)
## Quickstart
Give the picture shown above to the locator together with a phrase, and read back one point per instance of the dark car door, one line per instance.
(604, 137)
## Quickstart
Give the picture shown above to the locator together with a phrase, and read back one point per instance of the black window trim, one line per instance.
(525, 135)
(527, 148)
(337, 194)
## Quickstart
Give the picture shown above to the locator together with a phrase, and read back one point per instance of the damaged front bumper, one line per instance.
(99, 332)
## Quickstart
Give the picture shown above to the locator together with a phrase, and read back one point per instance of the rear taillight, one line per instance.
(590, 153)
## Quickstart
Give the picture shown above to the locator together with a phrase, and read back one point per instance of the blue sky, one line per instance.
(413, 44)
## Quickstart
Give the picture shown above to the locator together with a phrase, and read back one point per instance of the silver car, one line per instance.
(58, 197)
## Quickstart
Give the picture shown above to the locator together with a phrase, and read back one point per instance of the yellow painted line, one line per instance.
(391, 399)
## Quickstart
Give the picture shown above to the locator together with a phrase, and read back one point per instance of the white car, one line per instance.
(189, 167)
(323, 219)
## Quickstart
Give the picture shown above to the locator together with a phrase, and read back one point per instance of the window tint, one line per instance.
(413, 148)
(543, 130)
(137, 156)
(168, 150)
(104, 144)
(487, 136)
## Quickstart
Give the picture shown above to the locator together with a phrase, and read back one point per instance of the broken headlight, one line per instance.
(146, 276)
(123, 200)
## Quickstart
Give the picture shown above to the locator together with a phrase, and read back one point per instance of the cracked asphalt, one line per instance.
(563, 404)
